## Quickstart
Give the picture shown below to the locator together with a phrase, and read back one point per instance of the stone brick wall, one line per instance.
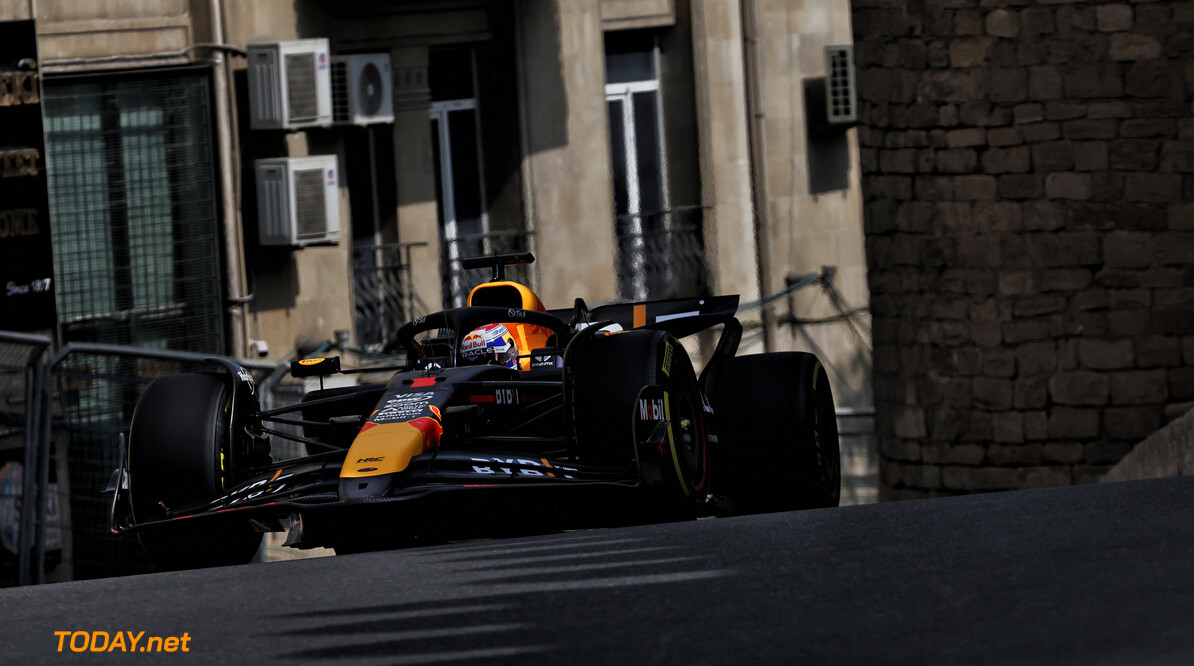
(1028, 176)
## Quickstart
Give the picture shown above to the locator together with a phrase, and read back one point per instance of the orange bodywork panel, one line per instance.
(519, 296)
(387, 448)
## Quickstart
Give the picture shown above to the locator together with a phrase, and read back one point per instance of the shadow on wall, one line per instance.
(828, 148)
(520, 62)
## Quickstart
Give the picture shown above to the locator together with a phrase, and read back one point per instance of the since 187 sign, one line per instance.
(26, 259)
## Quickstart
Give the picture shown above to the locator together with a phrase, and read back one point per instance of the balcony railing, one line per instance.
(382, 291)
(458, 282)
(661, 254)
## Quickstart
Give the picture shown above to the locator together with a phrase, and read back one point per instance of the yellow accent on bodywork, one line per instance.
(388, 447)
(667, 415)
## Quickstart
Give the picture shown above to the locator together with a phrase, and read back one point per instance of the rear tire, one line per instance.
(178, 446)
(610, 373)
(778, 445)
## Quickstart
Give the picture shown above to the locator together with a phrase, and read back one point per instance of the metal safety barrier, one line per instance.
(21, 376)
(76, 403)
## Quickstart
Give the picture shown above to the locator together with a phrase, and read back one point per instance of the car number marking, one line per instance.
(506, 396)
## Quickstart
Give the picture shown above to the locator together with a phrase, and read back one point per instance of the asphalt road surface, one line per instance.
(1086, 575)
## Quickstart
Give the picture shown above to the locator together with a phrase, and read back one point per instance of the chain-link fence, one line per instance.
(133, 198)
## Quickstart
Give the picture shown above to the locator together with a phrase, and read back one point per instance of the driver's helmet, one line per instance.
(492, 343)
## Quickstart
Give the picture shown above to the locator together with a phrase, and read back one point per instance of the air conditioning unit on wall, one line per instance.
(362, 89)
(298, 202)
(289, 84)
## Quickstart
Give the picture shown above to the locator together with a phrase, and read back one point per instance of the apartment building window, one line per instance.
(456, 145)
(133, 202)
(632, 95)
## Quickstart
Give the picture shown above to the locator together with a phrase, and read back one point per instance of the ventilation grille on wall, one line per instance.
(340, 94)
(841, 104)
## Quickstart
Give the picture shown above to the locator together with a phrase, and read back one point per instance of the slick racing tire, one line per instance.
(778, 443)
(178, 448)
(607, 403)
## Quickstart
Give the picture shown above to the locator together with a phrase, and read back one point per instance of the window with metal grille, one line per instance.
(341, 108)
(133, 210)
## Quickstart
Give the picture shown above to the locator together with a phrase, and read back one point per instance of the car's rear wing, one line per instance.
(678, 316)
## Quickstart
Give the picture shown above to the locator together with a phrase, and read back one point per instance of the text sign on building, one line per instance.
(26, 259)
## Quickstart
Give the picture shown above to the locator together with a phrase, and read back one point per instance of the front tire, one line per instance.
(178, 454)
(608, 399)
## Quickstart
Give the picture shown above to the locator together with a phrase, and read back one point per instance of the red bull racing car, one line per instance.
(506, 418)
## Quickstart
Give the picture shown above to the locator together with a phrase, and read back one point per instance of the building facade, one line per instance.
(641, 149)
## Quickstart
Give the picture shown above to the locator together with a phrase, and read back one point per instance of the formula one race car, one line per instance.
(506, 418)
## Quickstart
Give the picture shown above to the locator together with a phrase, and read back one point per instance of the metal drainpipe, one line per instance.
(233, 249)
(758, 164)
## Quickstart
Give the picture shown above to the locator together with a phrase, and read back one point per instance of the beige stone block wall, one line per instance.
(725, 149)
(806, 231)
(16, 10)
(302, 293)
(414, 172)
(570, 185)
(308, 295)
(631, 14)
(70, 29)
(260, 21)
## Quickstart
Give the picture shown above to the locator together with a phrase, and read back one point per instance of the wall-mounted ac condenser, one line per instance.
(290, 84)
(298, 202)
(362, 89)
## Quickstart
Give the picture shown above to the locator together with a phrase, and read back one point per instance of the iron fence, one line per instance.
(662, 254)
(382, 297)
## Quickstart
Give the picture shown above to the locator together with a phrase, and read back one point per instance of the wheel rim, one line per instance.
(689, 442)
(831, 466)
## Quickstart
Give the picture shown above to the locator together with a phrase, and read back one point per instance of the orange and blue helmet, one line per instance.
(492, 343)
